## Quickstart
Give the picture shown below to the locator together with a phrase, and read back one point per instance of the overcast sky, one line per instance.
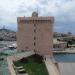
(62, 10)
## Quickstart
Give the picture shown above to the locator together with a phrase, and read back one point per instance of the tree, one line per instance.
(70, 42)
(69, 33)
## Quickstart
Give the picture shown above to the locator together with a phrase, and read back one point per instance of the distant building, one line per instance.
(35, 33)
(59, 45)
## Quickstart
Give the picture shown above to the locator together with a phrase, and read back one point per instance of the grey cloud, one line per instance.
(62, 10)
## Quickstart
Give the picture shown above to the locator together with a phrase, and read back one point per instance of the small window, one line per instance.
(35, 30)
(34, 25)
(34, 38)
(34, 43)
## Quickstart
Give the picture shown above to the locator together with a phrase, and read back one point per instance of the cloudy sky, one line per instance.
(62, 10)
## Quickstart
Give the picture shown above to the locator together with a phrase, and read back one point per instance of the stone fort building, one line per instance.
(35, 33)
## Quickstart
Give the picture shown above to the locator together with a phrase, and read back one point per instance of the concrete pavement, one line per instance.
(67, 68)
(10, 66)
(52, 69)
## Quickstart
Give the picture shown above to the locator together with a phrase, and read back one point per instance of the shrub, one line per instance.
(1, 59)
(38, 58)
(24, 60)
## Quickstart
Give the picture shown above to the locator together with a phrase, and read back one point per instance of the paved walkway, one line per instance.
(51, 67)
(67, 68)
(10, 66)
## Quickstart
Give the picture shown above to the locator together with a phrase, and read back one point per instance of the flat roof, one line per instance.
(35, 18)
(55, 41)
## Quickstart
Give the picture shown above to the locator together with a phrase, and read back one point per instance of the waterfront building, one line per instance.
(35, 33)
(59, 45)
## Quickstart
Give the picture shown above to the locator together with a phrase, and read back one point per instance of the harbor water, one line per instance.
(64, 57)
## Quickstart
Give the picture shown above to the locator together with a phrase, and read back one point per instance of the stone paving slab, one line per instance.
(52, 69)
(67, 68)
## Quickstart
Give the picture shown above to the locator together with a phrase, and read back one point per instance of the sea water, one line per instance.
(64, 57)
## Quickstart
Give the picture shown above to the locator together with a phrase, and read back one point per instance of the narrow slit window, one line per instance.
(35, 30)
(34, 43)
(34, 38)
(34, 25)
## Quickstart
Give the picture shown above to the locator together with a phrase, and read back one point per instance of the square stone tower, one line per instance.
(35, 33)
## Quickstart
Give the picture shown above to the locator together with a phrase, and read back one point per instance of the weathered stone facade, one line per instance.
(35, 33)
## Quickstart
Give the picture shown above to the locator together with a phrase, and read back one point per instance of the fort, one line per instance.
(35, 33)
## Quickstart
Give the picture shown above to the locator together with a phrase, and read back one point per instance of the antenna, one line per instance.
(37, 9)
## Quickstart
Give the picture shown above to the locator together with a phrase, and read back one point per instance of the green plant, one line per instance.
(24, 60)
